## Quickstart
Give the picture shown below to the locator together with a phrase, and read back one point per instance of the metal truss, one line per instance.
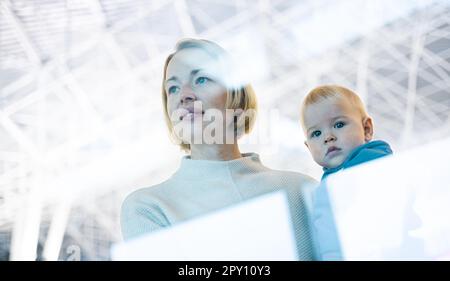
(80, 101)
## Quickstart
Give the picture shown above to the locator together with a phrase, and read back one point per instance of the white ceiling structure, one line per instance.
(81, 122)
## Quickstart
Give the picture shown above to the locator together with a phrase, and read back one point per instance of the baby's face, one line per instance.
(333, 129)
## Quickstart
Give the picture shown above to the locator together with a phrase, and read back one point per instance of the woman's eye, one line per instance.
(315, 134)
(201, 80)
(339, 125)
(172, 90)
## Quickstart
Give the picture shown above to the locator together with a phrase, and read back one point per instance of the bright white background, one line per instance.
(81, 121)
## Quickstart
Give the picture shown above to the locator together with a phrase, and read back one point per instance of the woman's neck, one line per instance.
(218, 152)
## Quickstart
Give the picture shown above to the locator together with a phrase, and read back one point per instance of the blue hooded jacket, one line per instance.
(323, 220)
(363, 153)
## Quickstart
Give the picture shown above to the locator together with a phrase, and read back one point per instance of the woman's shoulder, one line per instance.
(147, 196)
(142, 211)
(295, 182)
(291, 176)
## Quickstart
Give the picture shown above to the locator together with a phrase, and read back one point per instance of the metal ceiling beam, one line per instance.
(24, 39)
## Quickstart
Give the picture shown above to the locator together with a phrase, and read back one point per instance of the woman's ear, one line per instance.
(368, 129)
(238, 117)
(239, 121)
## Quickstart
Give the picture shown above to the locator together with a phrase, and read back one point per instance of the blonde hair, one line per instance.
(332, 91)
(239, 96)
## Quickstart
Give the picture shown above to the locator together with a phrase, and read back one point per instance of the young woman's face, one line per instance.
(194, 88)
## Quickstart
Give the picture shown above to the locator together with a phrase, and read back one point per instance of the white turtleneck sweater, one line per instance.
(202, 186)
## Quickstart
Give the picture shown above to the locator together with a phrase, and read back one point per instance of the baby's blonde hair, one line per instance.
(332, 91)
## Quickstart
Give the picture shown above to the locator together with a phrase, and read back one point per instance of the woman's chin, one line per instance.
(192, 139)
(202, 133)
(192, 117)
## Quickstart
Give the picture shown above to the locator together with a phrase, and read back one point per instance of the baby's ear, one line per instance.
(368, 129)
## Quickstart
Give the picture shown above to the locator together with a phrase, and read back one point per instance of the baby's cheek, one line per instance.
(320, 158)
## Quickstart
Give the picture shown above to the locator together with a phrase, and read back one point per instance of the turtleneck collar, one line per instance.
(211, 169)
(363, 153)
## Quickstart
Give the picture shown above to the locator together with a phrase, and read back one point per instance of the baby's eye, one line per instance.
(201, 80)
(316, 133)
(339, 125)
(173, 90)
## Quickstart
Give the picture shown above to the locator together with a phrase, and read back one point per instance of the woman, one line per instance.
(199, 83)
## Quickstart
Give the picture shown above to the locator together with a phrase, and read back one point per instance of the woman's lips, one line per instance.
(191, 115)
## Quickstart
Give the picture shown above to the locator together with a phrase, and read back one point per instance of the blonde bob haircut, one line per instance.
(332, 91)
(239, 95)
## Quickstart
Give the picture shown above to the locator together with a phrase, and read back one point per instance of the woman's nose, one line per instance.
(187, 95)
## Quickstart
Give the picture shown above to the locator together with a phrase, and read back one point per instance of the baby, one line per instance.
(338, 134)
